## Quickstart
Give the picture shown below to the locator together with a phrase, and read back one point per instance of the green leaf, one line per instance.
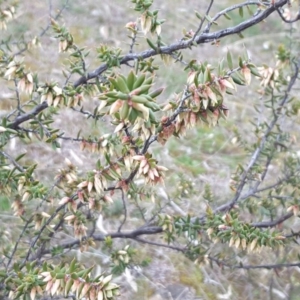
(229, 60)
(151, 44)
(227, 16)
(98, 164)
(241, 63)
(198, 15)
(208, 18)
(246, 54)
(240, 35)
(241, 12)
(60, 276)
(254, 71)
(249, 10)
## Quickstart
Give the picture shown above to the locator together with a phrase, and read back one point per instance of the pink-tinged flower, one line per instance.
(64, 200)
(247, 74)
(25, 84)
(226, 83)
(132, 26)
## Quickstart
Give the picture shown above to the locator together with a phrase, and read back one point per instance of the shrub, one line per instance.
(102, 119)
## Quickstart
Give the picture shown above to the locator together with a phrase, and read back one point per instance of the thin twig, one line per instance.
(227, 10)
(44, 31)
(248, 267)
(133, 40)
(140, 209)
(125, 210)
(179, 109)
(18, 242)
(202, 21)
(180, 249)
(19, 167)
(285, 20)
(18, 97)
(179, 45)
(274, 223)
(258, 150)
(33, 243)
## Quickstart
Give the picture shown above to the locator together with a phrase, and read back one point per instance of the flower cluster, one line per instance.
(52, 94)
(269, 76)
(26, 83)
(77, 221)
(81, 287)
(148, 167)
(5, 16)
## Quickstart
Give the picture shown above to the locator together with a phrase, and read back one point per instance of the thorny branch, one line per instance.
(200, 39)
(170, 49)
(259, 149)
(28, 116)
(227, 10)
(151, 230)
(28, 222)
(19, 167)
(272, 223)
(202, 22)
(248, 267)
(180, 249)
(147, 230)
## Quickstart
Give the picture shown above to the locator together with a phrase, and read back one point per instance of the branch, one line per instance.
(292, 235)
(160, 245)
(272, 223)
(258, 150)
(19, 167)
(33, 243)
(101, 237)
(182, 44)
(28, 116)
(285, 20)
(18, 242)
(125, 211)
(248, 267)
(226, 10)
(149, 230)
(135, 235)
(202, 21)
